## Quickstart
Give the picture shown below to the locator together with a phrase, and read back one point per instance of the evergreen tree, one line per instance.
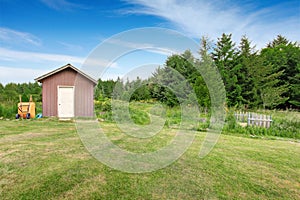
(295, 90)
(165, 82)
(284, 57)
(279, 40)
(2, 93)
(271, 94)
(224, 55)
(140, 90)
(188, 67)
(10, 93)
(245, 62)
(104, 89)
(200, 85)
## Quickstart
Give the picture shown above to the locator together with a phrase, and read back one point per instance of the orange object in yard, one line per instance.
(26, 110)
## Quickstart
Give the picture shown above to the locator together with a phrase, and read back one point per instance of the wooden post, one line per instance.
(248, 120)
(260, 120)
(255, 119)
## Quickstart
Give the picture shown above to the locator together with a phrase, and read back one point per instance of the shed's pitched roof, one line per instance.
(39, 79)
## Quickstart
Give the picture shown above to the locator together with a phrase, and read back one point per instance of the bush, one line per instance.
(104, 111)
(103, 105)
(1, 110)
(8, 111)
(230, 122)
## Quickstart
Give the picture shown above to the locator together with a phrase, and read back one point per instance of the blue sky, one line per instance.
(37, 36)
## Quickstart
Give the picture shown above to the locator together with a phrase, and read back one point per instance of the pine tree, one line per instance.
(295, 90)
(284, 57)
(245, 62)
(224, 55)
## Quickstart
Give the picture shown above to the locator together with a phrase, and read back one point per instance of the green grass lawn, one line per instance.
(45, 159)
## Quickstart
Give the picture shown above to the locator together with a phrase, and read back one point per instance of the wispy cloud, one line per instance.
(91, 66)
(200, 17)
(12, 36)
(19, 75)
(71, 47)
(12, 55)
(63, 5)
(134, 45)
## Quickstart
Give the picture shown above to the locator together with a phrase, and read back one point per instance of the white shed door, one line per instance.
(65, 101)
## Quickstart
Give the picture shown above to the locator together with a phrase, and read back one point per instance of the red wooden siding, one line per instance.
(84, 92)
(84, 97)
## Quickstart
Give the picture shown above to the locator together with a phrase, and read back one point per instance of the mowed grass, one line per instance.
(45, 159)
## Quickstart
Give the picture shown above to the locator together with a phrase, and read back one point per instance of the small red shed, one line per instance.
(67, 92)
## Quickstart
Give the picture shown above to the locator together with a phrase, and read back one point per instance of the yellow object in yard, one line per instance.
(26, 110)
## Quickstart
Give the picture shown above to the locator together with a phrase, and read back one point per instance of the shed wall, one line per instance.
(84, 93)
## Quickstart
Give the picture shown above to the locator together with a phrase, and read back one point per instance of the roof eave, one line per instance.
(39, 79)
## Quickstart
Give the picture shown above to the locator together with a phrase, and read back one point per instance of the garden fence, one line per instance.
(254, 119)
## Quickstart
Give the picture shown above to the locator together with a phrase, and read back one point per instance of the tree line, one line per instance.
(10, 92)
(266, 78)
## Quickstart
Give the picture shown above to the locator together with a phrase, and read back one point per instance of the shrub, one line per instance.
(8, 111)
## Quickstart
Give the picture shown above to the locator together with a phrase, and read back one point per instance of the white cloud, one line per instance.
(19, 75)
(62, 5)
(212, 18)
(12, 55)
(91, 66)
(143, 46)
(25, 66)
(12, 36)
(19, 56)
